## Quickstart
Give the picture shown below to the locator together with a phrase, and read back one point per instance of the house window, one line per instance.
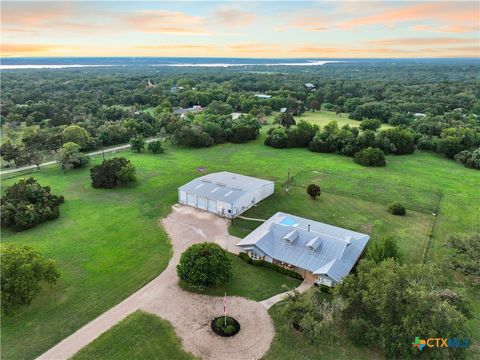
(254, 255)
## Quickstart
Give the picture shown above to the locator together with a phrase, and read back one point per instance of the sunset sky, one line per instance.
(316, 29)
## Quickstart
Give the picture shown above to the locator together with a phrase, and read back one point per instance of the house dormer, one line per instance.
(290, 237)
(314, 243)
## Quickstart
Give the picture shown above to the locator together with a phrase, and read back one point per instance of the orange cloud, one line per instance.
(231, 16)
(419, 41)
(176, 46)
(22, 49)
(167, 22)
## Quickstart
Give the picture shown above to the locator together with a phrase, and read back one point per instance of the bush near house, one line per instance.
(205, 265)
(271, 266)
(27, 204)
(112, 172)
(314, 191)
(156, 147)
(397, 209)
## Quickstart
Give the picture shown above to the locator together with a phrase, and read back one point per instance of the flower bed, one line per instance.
(232, 326)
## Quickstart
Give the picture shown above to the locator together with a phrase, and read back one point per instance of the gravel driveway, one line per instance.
(190, 314)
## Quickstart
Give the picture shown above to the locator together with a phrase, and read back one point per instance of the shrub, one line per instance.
(243, 129)
(192, 136)
(384, 249)
(358, 330)
(469, 159)
(156, 147)
(23, 270)
(219, 328)
(70, 157)
(370, 157)
(205, 265)
(285, 119)
(314, 191)
(277, 137)
(465, 256)
(397, 209)
(137, 143)
(370, 124)
(279, 269)
(396, 141)
(27, 204)
(112, 172)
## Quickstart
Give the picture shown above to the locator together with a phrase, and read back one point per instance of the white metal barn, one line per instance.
(224, 193)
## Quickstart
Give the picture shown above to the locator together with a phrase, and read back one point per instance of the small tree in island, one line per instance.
(314, 191)
(204, 265)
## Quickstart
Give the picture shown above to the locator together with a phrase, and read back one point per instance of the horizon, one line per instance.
(228, 29)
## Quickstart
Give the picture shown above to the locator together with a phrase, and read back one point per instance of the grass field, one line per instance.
(322, 118)
(108, 243)
(251, 282)
(140, 336)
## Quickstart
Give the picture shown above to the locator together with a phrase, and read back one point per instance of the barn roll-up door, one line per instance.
(191, 200)
(202, 203)
(212, 206)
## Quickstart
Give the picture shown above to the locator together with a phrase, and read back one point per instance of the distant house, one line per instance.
(263, 96)
(284, 109)
(236, 115)
(321, 253)
(183, 112)
(310, 85)
(419, 115)
(175, 89)
(224, 193)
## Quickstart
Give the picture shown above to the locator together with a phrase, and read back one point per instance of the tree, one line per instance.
(112, 172)
(277, 137)
(469, 159)
(285, 119)
(370, 157)
(23, 272)
(77, 135)
(397, 209)
(370, 124)
(314, 191)
(396, 141)
(385, 248)
(205, 265)
(465, 255)
(8, 151)
(155, 147)
(392, 303)
(70, 157)
(26, 204)
(137, 143)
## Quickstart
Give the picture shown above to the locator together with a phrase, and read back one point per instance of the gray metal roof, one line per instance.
(223, 186)
(325, 249)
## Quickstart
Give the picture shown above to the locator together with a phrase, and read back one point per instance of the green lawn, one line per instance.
(139, 336)
(323, 117)
(108, 243)
(252, 282)
(347, 212)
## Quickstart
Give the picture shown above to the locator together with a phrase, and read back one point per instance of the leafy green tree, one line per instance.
(392, 303)
(370, 124)
(385, 248)
(314, 191)
(137, 143)
(370, 157)
(112, 172)
(396, 141)
(465, 255)
(285, 119)
(70, 157)
(23, 272)
(277, 137)
(77, 135)
(155, 147)
(205, 265)
(8, 151)
(26, 204)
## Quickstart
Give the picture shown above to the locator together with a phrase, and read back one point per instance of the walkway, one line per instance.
(53, 162)
(249, 218)
(190, 314)
(268, 303)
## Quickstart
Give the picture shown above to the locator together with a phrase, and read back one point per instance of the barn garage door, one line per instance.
(202, 203)
(212, 206)
(190, 200)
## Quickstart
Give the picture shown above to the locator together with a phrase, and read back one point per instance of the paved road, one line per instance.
(93, 153)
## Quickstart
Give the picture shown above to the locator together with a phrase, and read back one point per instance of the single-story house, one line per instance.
(183, 112)
(224, 193)
(310, 85)
(284, 109)
(321, 253)
(263, 96)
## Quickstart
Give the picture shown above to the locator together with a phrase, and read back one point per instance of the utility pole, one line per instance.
(287, 183)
